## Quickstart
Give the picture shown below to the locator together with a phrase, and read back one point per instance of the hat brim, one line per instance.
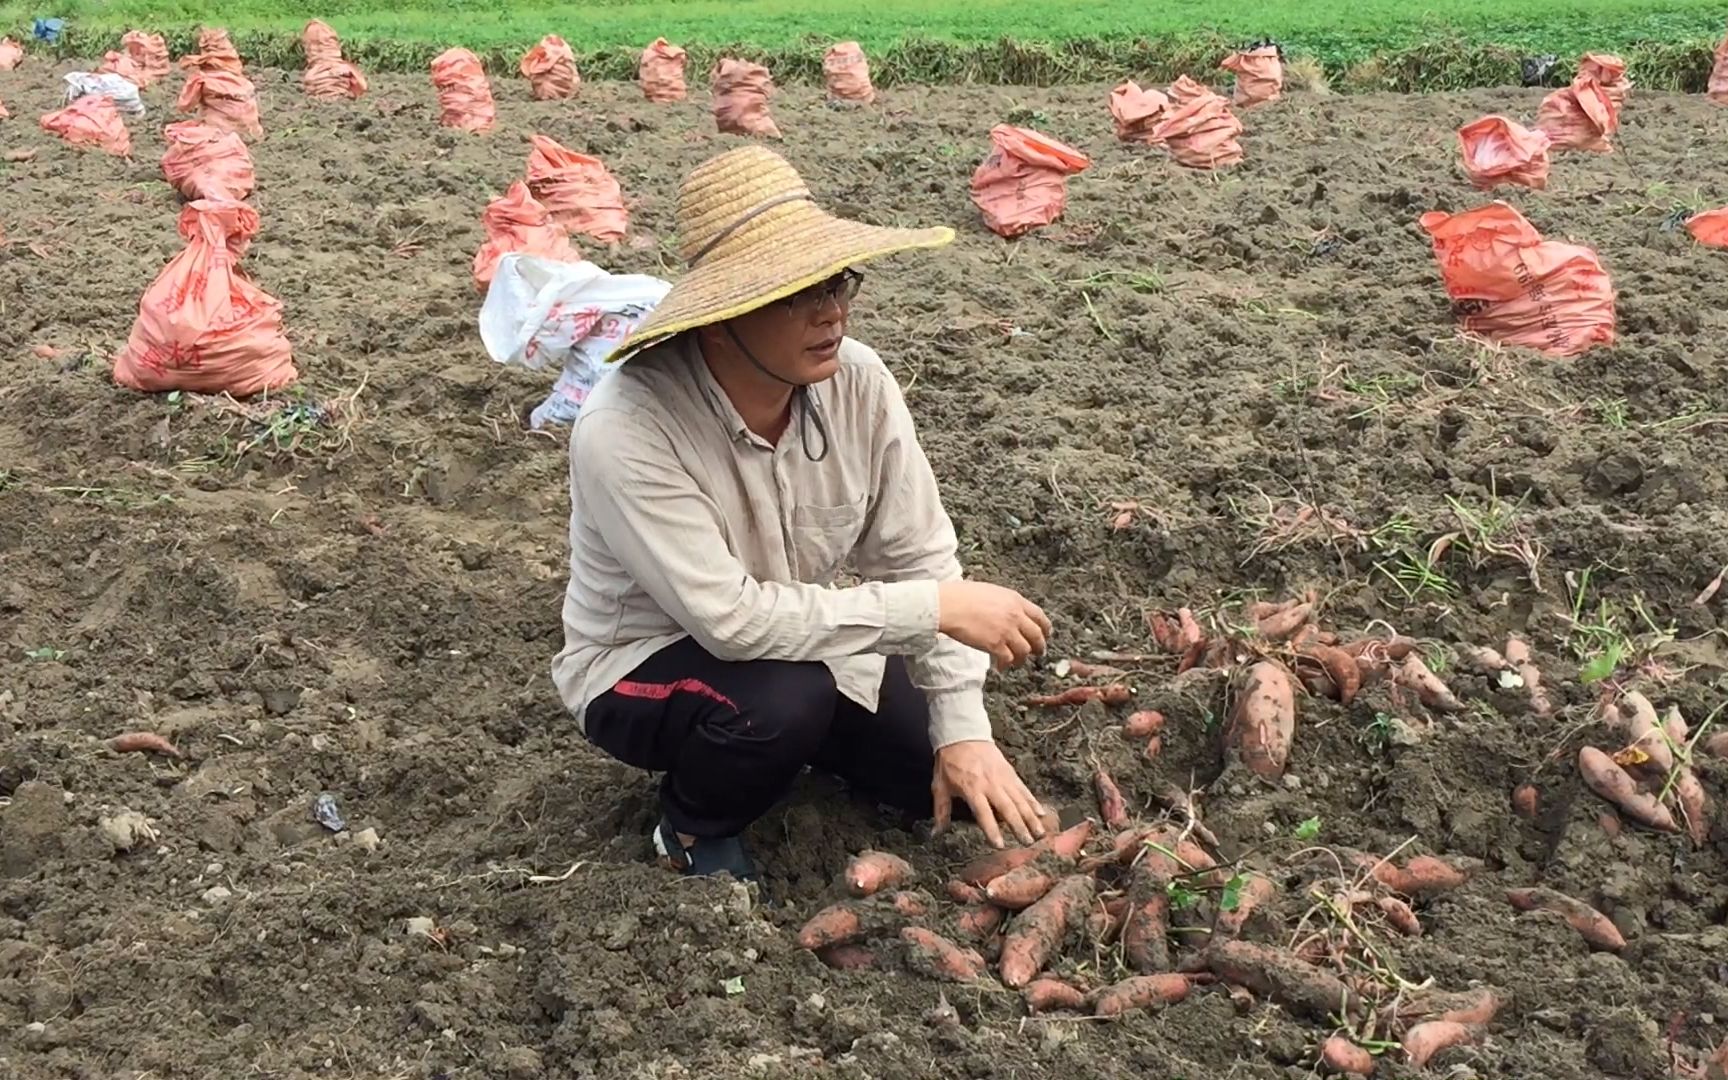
(808, 251)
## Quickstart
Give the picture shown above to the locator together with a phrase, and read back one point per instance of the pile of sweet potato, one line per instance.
(1650, 779)
(1154, 908)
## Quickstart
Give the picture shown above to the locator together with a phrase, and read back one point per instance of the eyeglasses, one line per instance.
(841, 288)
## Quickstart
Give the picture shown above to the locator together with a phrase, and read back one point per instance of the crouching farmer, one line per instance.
(743, 454)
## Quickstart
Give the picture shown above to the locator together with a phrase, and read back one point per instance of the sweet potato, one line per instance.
(1104, 923)
(1275, 973)
(1038, 932)
(1413, 675)
(1146, 926)
(847, 957)
(932, 954)
(1024, 885)
(1263, 721)
(1112, 807)
(1398, 913)
(1716, 745)
(962, 893)
(1284, 622)
(1647, 753)
(1188, 628)
(1154, 747)
(148, 741)
(1340, 668)
(1112, 694)
(1694, 806)
(1425, 1040)
(1167, 637)
(1191, 656)
(836, 924)
(1083, 669)
(1462, 1007)
(1142, 992)
(913, 905)
(992, 865)
(1526, 801)
(1142, 724)
(1422, 876)
(1393, 648)
(1318, 683)
(1341, 1056)
(1256, 892)
(1609, 822)
(1518, 654)
(1048, 994)
(980, 921)
(871, 871)
(1483, 659)
(1612, 783)
(1593, 926)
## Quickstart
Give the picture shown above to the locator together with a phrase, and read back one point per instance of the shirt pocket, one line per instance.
(824, 536)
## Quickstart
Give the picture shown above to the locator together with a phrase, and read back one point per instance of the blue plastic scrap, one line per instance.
(48, 30)
(324, 811)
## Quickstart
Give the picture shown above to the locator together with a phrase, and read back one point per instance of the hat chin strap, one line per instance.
(809, 408)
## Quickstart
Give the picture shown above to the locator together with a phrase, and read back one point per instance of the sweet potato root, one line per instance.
(1167, 636)
(1083, 669)
(1263, 722)
(1340, 1056)
(1143, 724)
(1154, 747)
(1398, 914)
(1142, 992)
(1025, 885)
(1146, 926)
(1518, 655)
(148, 741)
(1256, 892)
(912, 905)
(988, 867)
(1694, 806)
(1284, 622)
(1112, 807)
(1048, 994)
(1111, 694)
(847, 957)
(1340, 667)
(1413, 675)
(1425, 1040)
(1422, 876)
(1038, 932)
(872, 871)
(1526, 801)
(1104, 923)
(1191, 657)
(1593, 926)
(1716, 745)
(1275, 973)
(836, 924)
(934, 955)
(1647, 753)
(1482, 658)
(980, 921)
(1461, 1007)
(1612, 783)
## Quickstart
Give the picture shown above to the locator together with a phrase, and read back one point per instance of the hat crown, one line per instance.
(744, 190)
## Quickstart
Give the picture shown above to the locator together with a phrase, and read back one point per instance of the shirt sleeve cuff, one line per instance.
(909, 623)
(958, 716)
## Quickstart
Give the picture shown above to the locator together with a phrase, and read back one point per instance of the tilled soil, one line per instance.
(1256, 373)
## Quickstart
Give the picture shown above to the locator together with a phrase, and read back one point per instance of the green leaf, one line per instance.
(1308, 828)
(1231, 898)
(733, 986)
(1601, 666)
(46, 652)
(1181, 896)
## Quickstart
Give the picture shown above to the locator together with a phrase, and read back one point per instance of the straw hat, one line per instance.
(750, 233)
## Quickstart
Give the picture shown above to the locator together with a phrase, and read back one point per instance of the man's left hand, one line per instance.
(977, 772)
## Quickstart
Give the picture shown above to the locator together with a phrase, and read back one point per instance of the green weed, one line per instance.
(1608, 638)
(1308, 828)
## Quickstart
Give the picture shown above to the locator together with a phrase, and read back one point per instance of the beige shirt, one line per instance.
(684, 522)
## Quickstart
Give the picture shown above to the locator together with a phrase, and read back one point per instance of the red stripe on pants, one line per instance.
(662, 691)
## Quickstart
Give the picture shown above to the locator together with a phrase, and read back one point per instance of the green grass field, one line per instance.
(1394, 43)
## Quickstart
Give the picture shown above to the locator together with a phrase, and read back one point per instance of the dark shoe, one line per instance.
(704, 858)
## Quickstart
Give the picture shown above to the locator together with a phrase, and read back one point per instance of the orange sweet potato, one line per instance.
(1167, 636)
(1104, 922)
(1146, 926)
(1518, 655)
(1066, 844)
(1038, 932)
(847, 957)
(980, 921)
(1425, 1040)
(1142, 992)
(1264, 720)
(1341, 1056)
(1023, 886)
(1256, 892)
(1398, 913)
(1191, 656)
(871, 871)
(1526, 801)
(1647, 753)
(1413, 675)
(1593, 926)
(149, 741)
(1716, 745)
(1424, 875)
(1612, 783)
(1274, 973)
(1461, 1007)
(934, 955)
(1340, 667)
(1112, 807)
(962, 893)
(836, 924)
(1694, 806)
(1142, 724)
(992, 865)
(1154, 747)
(1048, 994)
(1188, 628)
(1112, 694)
(1284, 622)
(913, 905)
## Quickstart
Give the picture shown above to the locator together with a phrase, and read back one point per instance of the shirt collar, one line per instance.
(712, 392)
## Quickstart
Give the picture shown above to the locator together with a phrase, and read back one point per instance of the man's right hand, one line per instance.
(992, 619)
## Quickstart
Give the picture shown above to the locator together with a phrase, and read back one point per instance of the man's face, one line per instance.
(798, 338)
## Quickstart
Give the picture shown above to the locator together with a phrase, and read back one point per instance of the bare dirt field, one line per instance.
(1255, 374)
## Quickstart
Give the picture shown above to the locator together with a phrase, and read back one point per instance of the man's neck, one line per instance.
(764, 403)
